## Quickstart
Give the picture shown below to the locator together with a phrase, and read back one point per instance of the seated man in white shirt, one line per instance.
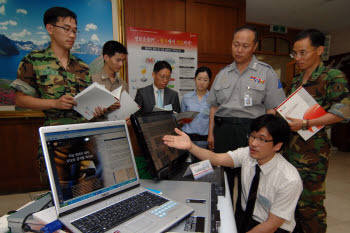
(279, 186)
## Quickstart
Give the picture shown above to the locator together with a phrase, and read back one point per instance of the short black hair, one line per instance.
(277, 127)
(247, 27)
(316, 37)
(161, 65)
(51, 15)
(111, 47)
(203, 69)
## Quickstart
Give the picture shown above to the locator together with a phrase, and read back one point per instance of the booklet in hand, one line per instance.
(301, 105)
(95, 95)
(186, 117)
(127, 107)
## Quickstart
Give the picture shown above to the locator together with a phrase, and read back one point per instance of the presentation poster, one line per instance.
(147, 46)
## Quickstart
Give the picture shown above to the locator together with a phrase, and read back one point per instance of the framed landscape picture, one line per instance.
(22, 30)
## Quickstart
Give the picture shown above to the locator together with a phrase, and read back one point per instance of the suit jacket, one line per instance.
(146, 100)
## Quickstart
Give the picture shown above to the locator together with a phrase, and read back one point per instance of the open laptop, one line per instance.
(95, 183)
(164, 162)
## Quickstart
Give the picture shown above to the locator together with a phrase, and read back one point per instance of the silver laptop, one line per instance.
(95, 183)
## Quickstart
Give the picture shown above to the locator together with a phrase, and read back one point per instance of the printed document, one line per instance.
(91, 97)
(127, 107)
(301, 105)
(186, 117)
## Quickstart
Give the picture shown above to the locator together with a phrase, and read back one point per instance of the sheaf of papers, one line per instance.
(91, 97)
(127, 107)
(301, 105)
(186, 116)
(117, 92)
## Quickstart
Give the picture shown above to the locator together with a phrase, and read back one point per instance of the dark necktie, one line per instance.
(248, 214)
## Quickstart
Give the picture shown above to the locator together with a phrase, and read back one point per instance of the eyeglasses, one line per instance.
(301, 54)
(67, 29)
(259, 139)
(164, 77)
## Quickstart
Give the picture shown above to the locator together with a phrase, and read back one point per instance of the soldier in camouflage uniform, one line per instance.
(41, 70)
(49, 79)
(329, 89)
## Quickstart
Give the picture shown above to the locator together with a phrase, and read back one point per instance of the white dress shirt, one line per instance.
(279, 186)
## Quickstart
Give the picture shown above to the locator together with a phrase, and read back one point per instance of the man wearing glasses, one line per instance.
(242, 91)
(49, 79)
(158, 94)
(329, 87)
(279, 185)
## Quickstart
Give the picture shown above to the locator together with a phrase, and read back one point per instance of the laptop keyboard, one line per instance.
(107, 218)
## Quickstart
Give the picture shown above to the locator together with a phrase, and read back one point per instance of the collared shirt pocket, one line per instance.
(222, 90)
(258, 93)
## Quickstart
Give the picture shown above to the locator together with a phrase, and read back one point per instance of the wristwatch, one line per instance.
(305, 124)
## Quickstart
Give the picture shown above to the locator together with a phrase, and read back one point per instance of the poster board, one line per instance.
(147, 46)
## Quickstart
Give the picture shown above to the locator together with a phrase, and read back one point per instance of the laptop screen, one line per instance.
(87, 162)
(150, 129)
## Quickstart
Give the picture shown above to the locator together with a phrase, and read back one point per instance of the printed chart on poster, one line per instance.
(147, 46)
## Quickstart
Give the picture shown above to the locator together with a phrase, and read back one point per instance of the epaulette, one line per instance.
(33, 52)
(229, 67)
(334, 72)
(264, 64)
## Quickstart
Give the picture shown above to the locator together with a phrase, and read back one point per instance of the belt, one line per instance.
(198, 137)
(231, 120)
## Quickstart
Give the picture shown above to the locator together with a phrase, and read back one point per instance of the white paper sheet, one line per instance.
(127, 107)
(93, 96)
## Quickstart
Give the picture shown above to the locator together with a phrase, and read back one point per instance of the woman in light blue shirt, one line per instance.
(196, 101)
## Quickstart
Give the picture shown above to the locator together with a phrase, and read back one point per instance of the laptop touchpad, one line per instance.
(140, 224)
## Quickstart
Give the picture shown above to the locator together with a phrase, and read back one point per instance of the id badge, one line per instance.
(248, 100)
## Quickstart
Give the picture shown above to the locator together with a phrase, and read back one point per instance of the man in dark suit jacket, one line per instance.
(158, 94)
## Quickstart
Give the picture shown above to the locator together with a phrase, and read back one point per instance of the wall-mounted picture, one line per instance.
(22, 30)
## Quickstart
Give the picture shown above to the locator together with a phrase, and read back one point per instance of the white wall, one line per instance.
(340, 42)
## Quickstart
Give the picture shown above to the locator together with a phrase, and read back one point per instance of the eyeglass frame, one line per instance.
(259, 139)
(165, 77)
(301, 54)
(67, 29)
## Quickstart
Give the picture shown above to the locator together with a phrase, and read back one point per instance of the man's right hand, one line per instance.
(210, 141)
(182, 141)
(65, 102)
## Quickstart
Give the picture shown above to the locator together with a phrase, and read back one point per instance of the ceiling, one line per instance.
(325, 15)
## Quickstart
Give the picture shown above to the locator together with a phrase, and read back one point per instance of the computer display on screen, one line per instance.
(150, 128)
(89, 162)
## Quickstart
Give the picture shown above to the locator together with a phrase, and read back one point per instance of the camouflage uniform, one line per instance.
(329, 88)
(41, 75)
(42, 71)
